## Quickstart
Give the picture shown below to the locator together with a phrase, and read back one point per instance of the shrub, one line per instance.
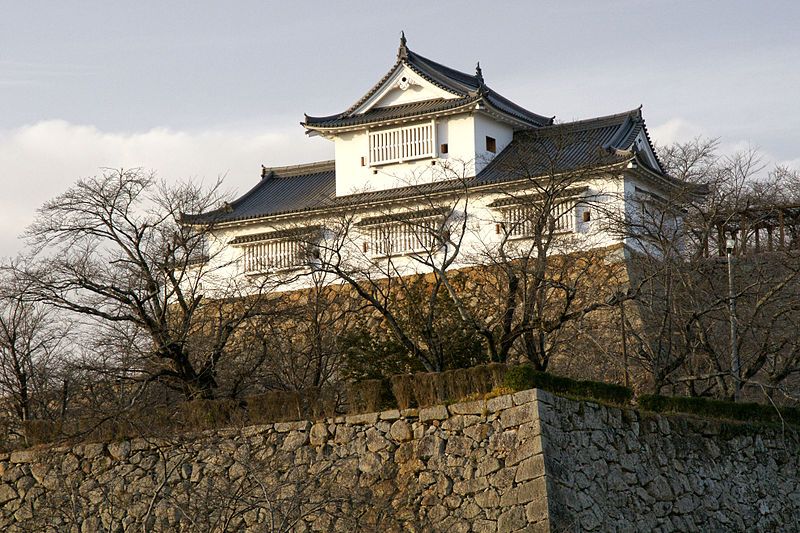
(41, 431)
(497, 374)
(458, 384)
(719, 408)
(479, 381)
(274, 406)
(524, 377)
(369, 396)
(428, 388)
(316, 402)
(209, 414)
(403, 390)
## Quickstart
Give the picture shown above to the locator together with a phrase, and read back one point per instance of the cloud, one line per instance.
(675, 130)
(39, 161)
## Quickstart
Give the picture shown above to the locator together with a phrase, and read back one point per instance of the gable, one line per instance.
(404, 86)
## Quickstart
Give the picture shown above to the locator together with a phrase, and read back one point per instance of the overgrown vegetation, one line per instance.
(525, 377)
(709, 407)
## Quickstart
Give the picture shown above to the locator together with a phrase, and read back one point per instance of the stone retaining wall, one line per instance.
(620, 470)
(524, 462)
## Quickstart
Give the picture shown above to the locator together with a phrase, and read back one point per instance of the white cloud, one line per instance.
(39, 161)
(675, 130)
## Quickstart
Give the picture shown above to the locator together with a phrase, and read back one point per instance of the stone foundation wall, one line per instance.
(620, 470)
(468, 467)
(524, 462)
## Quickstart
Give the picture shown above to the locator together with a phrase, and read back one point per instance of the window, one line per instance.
(443, 148)
(403, 237)
(491, 144)
(275, 255)
(402, 144)
(404, 233)
(278, 250)
(587, 216)
(520, 220)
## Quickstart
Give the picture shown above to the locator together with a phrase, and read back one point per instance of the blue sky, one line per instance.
(202, 89)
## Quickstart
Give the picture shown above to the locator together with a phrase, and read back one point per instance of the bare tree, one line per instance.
(386, 260)
(540, 269)
(117, 250)
(302, 348)
(33, 348)
(683, 338)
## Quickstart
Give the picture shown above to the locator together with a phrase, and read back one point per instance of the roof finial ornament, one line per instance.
(402, 52)
(479, 72)
(263, 172)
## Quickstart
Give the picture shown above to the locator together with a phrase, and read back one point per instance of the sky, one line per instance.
(202, 89)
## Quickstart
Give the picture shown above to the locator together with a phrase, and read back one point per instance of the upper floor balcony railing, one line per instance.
(402, 144)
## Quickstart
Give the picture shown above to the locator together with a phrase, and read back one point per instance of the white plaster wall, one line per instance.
(351, 177)
(479, 243)
(487, 127)
(465, 135)
(457, 131)
(460, 132)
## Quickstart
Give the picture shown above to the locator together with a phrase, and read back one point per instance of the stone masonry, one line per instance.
(529, 461)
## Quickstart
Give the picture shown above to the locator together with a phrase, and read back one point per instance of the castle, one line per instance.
(432, 162)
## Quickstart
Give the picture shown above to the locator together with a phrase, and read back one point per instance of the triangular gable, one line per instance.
(403, 86)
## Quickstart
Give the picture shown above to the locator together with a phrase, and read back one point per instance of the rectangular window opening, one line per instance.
(403, 237)
(491, 144)
(521, 220)
(278, 254)
(443, 148)
(405, 143)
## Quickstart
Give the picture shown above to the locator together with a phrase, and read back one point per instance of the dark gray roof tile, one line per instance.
(568, 147)
(392, 112)
(468, 87)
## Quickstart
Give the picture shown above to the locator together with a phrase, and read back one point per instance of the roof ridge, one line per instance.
(417, 102)
(469, 82)
(635, 114)
(289, 171)
(418, 109)
(456, 82)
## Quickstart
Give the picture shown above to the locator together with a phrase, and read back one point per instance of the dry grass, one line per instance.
(365, 396)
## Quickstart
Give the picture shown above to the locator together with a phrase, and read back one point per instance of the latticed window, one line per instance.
(403, 237)
(291, 248)
(276, 254)
(402, 144)
(521, 220)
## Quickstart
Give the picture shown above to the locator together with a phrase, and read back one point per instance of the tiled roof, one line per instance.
(569, 147)
(380, 114)
(279, 234)
(469, 88)
(572, 146)
(414, 214)
(281, 190)
(569, 192)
